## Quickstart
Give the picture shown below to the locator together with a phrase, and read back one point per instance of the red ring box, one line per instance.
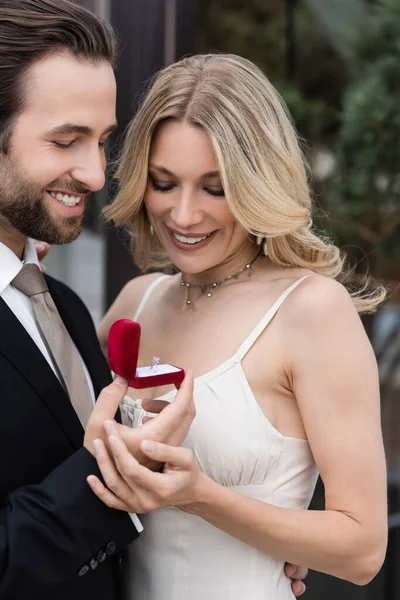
(123, 352)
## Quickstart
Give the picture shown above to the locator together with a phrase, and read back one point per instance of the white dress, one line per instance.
(180, 556)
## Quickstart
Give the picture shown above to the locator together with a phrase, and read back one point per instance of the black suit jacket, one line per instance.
(57, 540)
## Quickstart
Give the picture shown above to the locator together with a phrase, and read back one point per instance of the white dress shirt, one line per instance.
(21, 306)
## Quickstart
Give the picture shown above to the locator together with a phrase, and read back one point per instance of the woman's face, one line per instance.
(185, 201)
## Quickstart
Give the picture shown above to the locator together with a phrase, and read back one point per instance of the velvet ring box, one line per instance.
(123, 352)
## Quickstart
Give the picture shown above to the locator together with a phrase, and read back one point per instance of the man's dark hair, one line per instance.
(30, 30)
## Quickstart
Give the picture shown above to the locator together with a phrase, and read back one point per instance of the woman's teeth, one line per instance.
(191, 240)
(67, 200)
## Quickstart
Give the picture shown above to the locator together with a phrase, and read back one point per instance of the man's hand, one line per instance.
(42, 250)
(296, 574)
(169, 427)
(132, 487)
(105, 408)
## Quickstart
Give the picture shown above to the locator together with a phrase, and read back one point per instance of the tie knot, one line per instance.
(30, 280)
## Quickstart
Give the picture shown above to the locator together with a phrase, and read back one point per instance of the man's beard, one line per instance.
(22, 206)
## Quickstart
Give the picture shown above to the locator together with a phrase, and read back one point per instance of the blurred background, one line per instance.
(337, 65)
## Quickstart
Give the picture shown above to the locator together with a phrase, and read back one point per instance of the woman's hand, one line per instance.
(131, 487)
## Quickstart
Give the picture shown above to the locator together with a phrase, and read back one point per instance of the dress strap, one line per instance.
(147, 295)
(257, 331)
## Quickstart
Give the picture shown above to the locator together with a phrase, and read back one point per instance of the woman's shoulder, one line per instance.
(318, 301)
(127, 302)
(133, 291)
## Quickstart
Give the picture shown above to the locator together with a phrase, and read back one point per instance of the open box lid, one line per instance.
(123, 347)
(123, 353)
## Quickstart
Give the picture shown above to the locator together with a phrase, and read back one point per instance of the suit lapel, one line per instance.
(18, 348)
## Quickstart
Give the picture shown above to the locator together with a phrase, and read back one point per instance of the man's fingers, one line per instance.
(185, 391)
(42, 249)
(110, 398)
(295, 572)
(176, 413)
(177, 457)
(298, 588)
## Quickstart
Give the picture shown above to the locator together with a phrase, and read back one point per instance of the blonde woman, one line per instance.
(212, 181)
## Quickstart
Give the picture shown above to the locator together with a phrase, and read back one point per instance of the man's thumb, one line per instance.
(110, 398)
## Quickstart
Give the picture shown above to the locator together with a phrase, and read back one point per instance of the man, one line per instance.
(57, 108)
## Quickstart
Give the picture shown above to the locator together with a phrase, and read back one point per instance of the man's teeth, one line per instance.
(67, 200)
(191, 240)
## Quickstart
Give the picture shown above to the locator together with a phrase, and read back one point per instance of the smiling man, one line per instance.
(57, 109)
(55, 156)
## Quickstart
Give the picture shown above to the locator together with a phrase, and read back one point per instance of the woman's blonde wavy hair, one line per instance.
(263, 171)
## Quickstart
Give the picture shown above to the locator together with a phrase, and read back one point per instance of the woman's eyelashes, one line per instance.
(214, 192)
(167, 187)
(161, 187)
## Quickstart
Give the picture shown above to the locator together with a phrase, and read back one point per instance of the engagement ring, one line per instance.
(154, 363)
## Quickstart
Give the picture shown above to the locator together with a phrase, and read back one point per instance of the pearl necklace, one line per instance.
(209, 288)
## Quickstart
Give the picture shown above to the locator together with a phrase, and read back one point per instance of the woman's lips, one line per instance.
(189, 247)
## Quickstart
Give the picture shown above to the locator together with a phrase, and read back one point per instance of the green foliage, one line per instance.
(257, 30)
(365, 191)
(352, 107)
(314, 118)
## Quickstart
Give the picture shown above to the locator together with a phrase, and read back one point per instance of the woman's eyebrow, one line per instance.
(160, 169)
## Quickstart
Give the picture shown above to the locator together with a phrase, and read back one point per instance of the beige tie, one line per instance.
(67, 361)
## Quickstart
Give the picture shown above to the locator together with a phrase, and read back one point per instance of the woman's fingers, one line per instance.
(105, 495)
(177, 457)
(113, 480)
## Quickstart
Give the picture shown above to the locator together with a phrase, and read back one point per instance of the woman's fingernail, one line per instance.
(120, 381)
(40, 247)
(148, 446)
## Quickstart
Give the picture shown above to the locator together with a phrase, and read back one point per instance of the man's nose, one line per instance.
(91, 170)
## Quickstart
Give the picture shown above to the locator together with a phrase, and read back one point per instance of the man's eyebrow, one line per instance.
(68, 128)
(165, 171)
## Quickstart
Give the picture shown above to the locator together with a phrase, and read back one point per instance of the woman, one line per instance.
(212, 180)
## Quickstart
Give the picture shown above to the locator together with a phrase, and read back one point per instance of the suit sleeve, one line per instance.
(52, 532)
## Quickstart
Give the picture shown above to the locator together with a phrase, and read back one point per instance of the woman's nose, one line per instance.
(186, 212)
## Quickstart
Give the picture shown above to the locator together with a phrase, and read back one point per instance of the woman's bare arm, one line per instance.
(334, 377)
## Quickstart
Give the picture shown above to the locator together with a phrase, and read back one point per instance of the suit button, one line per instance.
(93, 564)
(83, 570)
(110, 548)
(101, 557)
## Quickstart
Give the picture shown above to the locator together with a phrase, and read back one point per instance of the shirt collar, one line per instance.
(11, 264)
